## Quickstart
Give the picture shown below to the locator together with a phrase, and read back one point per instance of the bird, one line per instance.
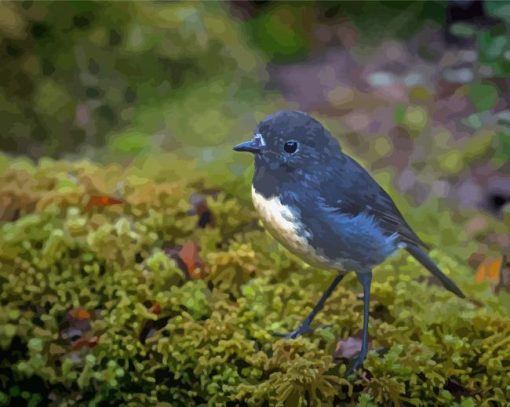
(324, 207)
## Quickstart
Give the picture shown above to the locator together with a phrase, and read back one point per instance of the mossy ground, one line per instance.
(79, 285)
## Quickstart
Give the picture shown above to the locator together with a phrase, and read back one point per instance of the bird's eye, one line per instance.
(290, 146)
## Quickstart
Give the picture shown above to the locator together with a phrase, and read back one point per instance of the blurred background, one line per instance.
(417, 89)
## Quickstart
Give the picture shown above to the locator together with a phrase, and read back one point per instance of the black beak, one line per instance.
(253, 146)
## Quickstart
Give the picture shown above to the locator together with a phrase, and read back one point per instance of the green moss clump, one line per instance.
(78, 321)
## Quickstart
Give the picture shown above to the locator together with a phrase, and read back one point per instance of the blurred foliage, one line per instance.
(146, 76)
(151, 71)
(79, 284)
(285, 30)
(73, 72)
(494, 60)
(494, 44)
(493, 41)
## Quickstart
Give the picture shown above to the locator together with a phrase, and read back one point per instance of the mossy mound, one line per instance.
(93, 310)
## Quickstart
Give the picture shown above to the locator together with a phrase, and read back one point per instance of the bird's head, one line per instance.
(292, 142)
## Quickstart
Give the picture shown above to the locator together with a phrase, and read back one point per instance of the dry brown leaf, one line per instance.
(79, 313)
(489, 270)
(347, 348)
(102, 200)
(188, 259)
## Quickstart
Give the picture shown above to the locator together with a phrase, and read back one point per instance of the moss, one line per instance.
(210, 339)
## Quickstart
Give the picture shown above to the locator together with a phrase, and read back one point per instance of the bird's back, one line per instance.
(352, 190)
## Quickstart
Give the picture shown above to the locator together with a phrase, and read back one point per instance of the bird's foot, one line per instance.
(357, 362)
(301, 330)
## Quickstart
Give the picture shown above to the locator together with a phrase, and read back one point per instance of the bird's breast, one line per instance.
(284, 223)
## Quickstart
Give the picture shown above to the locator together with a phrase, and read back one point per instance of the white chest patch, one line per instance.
(285, 227)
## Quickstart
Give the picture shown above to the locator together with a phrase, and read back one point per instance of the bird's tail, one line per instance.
(427, 262)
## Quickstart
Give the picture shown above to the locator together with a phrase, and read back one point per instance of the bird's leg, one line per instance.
(365, 279)
(305, 326)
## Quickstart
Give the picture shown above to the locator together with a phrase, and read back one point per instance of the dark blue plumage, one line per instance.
(323, 206)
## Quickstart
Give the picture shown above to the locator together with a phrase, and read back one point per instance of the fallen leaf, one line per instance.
(189, 255)
(347, 348)
(85, 342)
(155, 308)
(79, 313)
(188, 260)
(489, 270)
(76, 325)
(102, 200)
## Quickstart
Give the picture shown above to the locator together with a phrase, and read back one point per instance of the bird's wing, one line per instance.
(354, 191)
